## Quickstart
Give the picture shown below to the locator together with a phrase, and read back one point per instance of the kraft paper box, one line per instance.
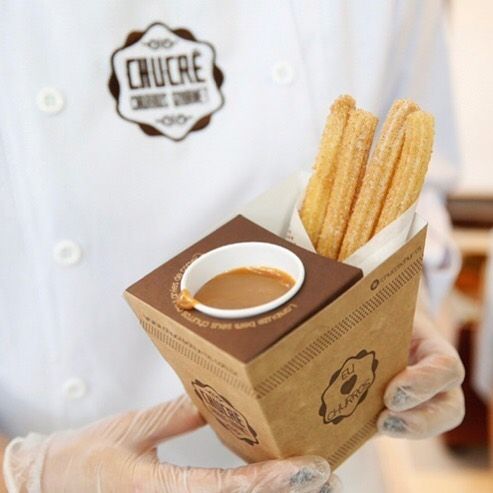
(309, 376)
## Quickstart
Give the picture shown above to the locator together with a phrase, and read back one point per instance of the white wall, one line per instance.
(471, 37)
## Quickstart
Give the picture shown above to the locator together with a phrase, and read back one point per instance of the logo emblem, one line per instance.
(225, 413)
(348, 387)
(166, 81)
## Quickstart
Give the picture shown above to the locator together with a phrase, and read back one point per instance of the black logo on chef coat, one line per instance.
(166, 81)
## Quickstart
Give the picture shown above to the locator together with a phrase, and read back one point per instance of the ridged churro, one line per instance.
(376, 181)
(410, 172)
(321, 182)
(351, 160)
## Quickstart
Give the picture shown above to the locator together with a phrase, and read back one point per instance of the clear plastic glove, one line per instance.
(118, 454)
(425, 399)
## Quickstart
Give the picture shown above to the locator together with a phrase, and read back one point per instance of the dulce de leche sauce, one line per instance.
(239, 288)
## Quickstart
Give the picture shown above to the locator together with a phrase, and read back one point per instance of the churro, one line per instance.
(351, 160)
(410, 172)
(376, 181)
(319, 188)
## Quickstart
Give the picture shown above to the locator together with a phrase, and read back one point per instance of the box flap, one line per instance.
(325, 280)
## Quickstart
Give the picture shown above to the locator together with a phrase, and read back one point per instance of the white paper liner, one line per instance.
(371, 254)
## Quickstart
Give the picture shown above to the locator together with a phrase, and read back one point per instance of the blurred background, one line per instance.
(462, 460)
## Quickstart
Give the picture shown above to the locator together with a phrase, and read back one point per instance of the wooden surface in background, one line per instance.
(474, 429)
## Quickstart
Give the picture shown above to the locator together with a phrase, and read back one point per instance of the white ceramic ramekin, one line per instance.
(234, 256)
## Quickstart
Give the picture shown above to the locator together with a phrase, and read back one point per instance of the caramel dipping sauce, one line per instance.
(244, 287)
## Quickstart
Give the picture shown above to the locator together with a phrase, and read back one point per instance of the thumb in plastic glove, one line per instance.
(425, 399)
(118, 454)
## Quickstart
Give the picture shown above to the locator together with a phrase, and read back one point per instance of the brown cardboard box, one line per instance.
(307, 378)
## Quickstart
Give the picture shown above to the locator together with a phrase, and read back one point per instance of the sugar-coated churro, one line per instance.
(319, 188)
(351, 160)
(409, 175)
(376, 181)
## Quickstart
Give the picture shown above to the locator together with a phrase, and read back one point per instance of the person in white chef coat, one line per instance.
(129, 129)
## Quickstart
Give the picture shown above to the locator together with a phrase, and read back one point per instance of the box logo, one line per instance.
(348, 387)
(225, 413)
(166, 81)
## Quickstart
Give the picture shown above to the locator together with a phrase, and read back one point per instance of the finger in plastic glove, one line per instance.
(438, 368)
(333, 485)
(295, 475)
(442, 413)
(117, 454)
(144, 429)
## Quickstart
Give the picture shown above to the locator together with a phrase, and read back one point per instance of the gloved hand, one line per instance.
(118, 454)
(425, 399)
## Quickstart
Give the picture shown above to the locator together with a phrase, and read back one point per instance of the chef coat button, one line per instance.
(282, 73)
(50, 100)
(74, 388)
(67, 252)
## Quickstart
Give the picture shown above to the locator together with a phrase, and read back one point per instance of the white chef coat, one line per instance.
(89, 203)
